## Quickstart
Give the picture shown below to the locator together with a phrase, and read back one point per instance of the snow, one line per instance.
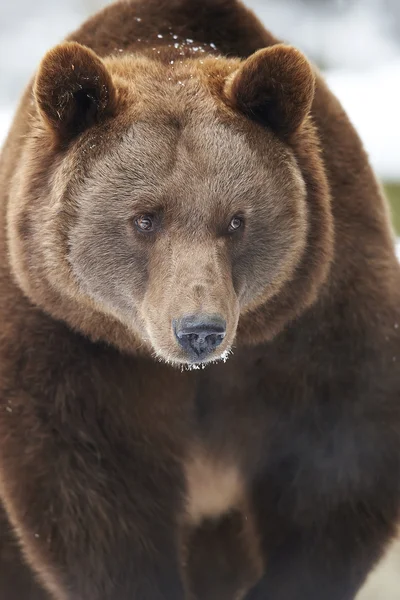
(5, 122)
(355, 33)
(370, 98)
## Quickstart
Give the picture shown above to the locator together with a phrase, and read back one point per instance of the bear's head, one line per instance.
(176, 207)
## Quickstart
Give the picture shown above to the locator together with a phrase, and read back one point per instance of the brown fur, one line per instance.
(110, 459)
(73, 90)
(276, 86)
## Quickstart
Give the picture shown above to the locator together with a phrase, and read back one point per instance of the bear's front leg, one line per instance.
(322, 550)
(86, 545)
(326, 563)
(94, 499)
(89, 542)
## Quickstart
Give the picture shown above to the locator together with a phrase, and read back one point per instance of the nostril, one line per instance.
(200, 325)
(200, 334)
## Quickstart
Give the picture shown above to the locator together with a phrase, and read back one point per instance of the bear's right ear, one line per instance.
(274, 86)
(73, 90)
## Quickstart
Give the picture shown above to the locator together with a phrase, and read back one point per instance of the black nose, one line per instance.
(199, 335)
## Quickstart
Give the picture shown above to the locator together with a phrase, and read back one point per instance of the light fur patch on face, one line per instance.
(213, 488)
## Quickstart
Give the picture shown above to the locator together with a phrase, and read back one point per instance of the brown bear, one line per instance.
(179, 190)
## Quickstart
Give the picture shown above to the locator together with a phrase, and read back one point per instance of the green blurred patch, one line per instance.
(393, 194)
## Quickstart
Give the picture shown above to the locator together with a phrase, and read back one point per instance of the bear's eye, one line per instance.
(235, 224)
(145, 223)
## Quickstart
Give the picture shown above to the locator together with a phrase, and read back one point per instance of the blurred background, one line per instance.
(355, 42)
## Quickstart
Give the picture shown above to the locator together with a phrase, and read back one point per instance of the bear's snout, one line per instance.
(199, 334)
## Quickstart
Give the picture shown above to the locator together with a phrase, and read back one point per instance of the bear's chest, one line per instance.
(214, 486)
(225, 443)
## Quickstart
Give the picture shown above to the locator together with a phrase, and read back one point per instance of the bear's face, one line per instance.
(169, 209)
(186, 220)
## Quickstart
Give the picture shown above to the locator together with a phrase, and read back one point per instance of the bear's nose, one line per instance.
(199, 335)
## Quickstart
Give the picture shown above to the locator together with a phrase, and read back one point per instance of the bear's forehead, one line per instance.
(199, 154)
(176, 131)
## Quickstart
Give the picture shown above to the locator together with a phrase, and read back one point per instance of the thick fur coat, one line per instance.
(173, 159)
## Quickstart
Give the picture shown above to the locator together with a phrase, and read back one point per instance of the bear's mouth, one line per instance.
(193, 362)
(200, 364)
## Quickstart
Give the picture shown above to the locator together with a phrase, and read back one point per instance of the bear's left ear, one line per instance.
(73, 90)
(274, 86)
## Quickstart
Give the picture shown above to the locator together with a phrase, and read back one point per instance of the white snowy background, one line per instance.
(356, 42)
